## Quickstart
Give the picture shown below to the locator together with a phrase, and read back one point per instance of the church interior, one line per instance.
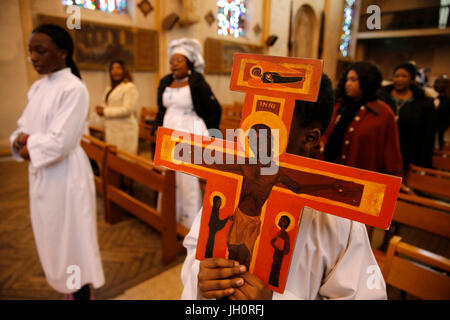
(140, 236)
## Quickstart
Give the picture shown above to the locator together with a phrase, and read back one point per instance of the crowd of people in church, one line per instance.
(360, 124)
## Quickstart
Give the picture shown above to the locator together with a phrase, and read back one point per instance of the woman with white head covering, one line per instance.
(187, 103)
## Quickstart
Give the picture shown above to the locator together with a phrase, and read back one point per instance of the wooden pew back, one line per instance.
(145, 130)
(441, 160)
(422, 213)
(417, 212)
(95, 150)
(119, 163)
(146, 135)
(231, 117)
(434, 183)
(147, 114)
(415, 271)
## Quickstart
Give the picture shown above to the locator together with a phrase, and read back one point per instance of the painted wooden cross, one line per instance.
(253, 199)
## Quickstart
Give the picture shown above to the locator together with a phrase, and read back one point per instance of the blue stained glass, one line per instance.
(346, 27)
(231, 17)
(111, 6)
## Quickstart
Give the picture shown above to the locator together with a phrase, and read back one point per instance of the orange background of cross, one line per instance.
(273, 103)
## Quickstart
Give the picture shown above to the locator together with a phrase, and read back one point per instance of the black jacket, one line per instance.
(205, 103)
(416, 126)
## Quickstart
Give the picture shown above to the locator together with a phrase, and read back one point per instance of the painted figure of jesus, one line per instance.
(255, 190)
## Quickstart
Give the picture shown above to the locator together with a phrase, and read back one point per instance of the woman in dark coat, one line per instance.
(415, 114)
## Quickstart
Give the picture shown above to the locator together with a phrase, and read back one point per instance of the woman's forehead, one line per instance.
(177, 56)
(352, 73)
(401, 71)
(41, 39)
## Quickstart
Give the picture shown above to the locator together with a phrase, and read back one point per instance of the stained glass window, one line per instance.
(111, 6)
(346, 34)
(231, 17)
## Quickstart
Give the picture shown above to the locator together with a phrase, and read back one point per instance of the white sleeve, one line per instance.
(64, 131)
(13, 136)
(189, 271)
(21, 123)
(356, 274)
(130, 99)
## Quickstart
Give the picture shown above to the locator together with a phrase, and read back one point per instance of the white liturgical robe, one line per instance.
(61, 182)
(332, 259)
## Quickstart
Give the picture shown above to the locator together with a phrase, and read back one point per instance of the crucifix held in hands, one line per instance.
(255, 191)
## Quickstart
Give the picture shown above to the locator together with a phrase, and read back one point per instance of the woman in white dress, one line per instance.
(119, 109)
(61, 183)
(187, 103)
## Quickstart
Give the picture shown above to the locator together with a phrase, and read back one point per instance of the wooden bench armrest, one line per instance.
(418, 254)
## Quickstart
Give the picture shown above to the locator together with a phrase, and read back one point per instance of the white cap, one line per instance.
(191, 49)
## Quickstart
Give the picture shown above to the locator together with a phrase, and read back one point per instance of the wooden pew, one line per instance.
(231, 117)
(417, 271)
(441, 160)
(95, 150)
(147, 114)
(446, 146)
(141, 170)
(433, 183)
(430, 215)
(146, 135)
(97, 132)
(145, 129)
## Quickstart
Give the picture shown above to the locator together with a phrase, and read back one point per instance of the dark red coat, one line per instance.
(371, 141)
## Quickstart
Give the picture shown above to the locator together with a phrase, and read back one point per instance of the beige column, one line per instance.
(333, 25)
(159, 13)
(266, 23)
(26, 20)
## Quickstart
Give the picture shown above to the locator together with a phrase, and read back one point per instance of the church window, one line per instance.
(346, 34)
(111, 6)
(231, 17)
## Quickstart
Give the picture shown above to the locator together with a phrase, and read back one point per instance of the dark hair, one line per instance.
(189, 64)
(410, 68)
(126, 73)
(319, 112)
(63, 40)
(369, 76)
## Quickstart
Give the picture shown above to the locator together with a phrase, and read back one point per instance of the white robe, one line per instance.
(332, 259)
(180, 115)
(61, 182)
(121, 126)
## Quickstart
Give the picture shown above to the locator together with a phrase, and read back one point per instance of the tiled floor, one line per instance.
(165, 286)
(130, 250)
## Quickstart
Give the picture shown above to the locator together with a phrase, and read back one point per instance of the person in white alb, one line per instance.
(61, 182)
(332, 257)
